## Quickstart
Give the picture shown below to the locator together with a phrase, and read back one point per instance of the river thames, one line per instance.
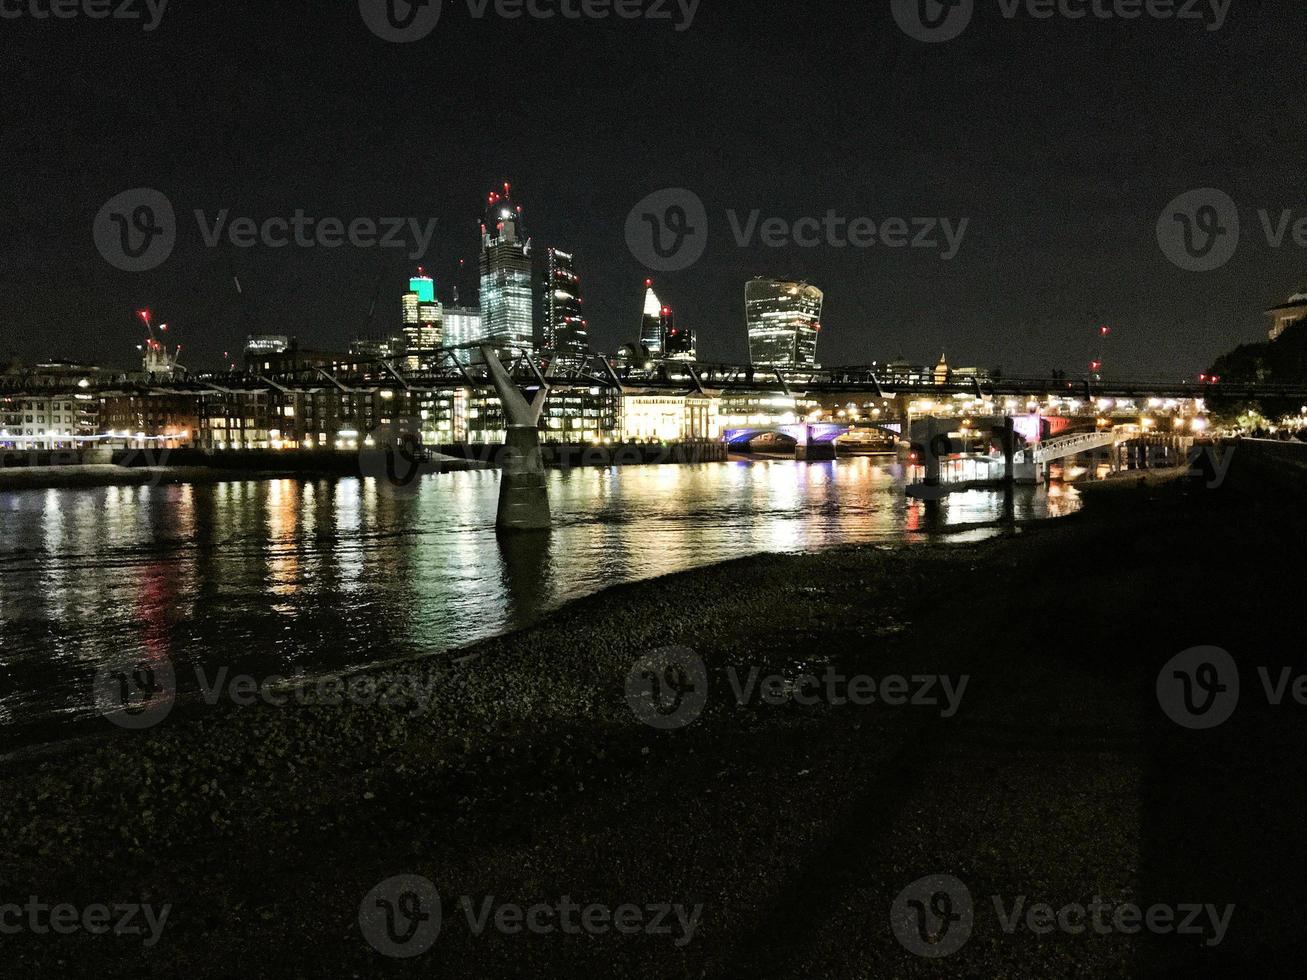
(299, 578)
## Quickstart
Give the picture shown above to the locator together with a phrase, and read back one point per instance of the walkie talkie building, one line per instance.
(784, 319)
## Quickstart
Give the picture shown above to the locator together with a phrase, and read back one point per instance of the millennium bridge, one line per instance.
(446, 371)
(921, 414)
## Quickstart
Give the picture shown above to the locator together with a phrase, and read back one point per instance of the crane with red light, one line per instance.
(157, 358)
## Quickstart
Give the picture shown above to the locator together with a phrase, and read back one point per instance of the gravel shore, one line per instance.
(527, 776)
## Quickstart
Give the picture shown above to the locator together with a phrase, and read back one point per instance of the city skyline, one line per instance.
(1043, 196)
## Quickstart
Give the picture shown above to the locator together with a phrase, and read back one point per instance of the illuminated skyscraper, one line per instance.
(784, 319)
(507, 298)
(462, 326)
(423, 327)
(651, 321)
(559, 313)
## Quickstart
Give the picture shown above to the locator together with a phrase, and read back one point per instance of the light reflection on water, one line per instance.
(294, 577)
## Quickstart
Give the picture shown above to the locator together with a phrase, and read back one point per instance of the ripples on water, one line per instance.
(297, 577)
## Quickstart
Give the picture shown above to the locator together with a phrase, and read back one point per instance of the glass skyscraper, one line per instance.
(563, 327)
(784, 319)
(423, 329)
(651, 321)
(678, 341)
(462, 326)
(507, 295)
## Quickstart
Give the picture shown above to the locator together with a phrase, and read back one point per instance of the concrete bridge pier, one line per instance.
(523, 493)
(930, 454)
(1029, 474)
(809, 451)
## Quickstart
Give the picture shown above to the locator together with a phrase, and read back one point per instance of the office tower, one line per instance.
(462, 326)
(259, 344)
(784, 319)
(651, 321)
(423, 329)
(507, 297)
(678, 341)
(559, 313)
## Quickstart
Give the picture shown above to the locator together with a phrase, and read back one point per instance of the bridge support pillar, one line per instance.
(523, 494)
(1029, 474)
(812, 452)
(931, 455)
(1009, 450)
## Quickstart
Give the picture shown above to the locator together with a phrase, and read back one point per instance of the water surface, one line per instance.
(302, 577)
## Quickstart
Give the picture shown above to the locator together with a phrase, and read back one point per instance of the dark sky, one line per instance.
(1060, 140)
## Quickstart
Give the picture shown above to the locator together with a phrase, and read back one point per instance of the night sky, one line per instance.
(1060, 141)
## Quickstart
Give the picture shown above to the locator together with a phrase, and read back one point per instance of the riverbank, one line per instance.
(194, 466)
(528, 778)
